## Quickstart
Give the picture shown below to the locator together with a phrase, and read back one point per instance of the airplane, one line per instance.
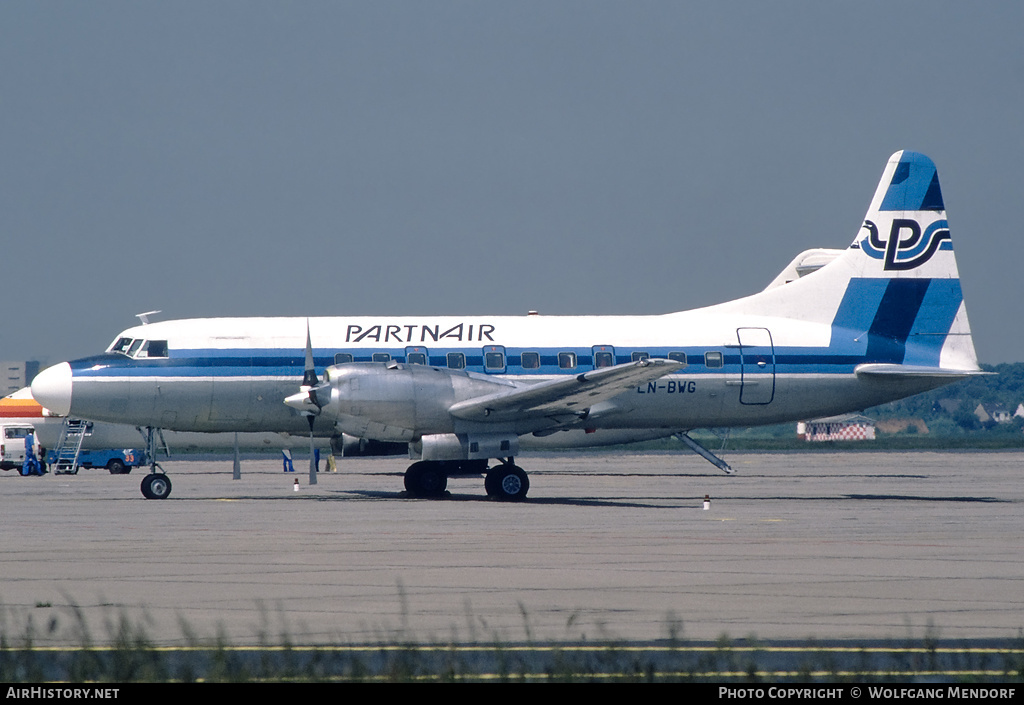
(837, 331)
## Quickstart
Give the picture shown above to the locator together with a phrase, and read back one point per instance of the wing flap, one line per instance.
(563, 396)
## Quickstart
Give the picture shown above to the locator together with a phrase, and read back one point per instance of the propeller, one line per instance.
(307, 402)
(309, 378)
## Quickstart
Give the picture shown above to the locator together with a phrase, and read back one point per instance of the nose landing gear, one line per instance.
(155, 485)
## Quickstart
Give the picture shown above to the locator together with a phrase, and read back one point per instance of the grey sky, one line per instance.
(320, 158)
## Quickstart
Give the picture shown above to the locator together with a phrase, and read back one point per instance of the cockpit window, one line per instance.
(154, 348)
(140, 348)
(121, 345)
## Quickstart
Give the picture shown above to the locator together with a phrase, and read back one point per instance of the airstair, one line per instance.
(69, 447)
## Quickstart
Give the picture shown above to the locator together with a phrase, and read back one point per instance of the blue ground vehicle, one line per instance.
(119, 461)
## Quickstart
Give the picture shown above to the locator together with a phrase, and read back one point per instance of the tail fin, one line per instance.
(907, 266)
(893, 298)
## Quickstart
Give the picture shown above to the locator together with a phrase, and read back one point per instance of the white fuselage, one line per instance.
(232, 374)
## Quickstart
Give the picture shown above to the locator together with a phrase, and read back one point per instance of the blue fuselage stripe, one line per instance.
(797, 361)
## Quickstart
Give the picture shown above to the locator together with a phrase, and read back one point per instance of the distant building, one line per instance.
(847, 427)
(15, 375)
(992, 412)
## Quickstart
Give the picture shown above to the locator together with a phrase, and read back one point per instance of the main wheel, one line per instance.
(425, 479)
(156, 486)
(116, 466)
(507, 482)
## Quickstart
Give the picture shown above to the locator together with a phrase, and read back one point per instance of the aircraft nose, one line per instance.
(52, 388)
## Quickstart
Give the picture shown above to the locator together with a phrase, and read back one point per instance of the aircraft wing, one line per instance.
(560, 397)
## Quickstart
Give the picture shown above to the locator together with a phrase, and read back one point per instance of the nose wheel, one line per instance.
(156, 486)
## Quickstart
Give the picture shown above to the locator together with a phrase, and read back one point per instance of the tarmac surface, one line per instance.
(826, 546)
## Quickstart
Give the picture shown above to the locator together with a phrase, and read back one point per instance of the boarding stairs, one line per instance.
(69, 447)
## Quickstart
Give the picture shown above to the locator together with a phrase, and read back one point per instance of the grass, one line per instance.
(126, 653)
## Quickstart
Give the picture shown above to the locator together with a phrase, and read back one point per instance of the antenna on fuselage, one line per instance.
(144, 317)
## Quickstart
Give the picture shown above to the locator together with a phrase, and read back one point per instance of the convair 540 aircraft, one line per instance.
(881, 320)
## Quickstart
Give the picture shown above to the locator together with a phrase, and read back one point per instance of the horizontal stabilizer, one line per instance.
(876, 369)
(571, 395)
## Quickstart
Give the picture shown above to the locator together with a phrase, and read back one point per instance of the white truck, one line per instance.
(12, 444)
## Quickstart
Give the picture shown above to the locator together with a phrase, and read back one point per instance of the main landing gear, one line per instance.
(505, 481)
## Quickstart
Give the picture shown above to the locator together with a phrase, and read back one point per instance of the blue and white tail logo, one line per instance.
(905, 247)
(909, 241)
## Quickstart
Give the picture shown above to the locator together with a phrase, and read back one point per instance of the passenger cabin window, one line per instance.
(677, 357)
(567, 360)
(494, 360)
(416, 358)
(638, 356)
(456, 361)
(531, 361)
(381, 357)
(342, 358)
(603, 359)
(713, 359)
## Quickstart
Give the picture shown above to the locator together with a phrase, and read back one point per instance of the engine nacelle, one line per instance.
(407, 400)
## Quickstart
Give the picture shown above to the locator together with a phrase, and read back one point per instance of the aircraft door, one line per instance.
(757, 365)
